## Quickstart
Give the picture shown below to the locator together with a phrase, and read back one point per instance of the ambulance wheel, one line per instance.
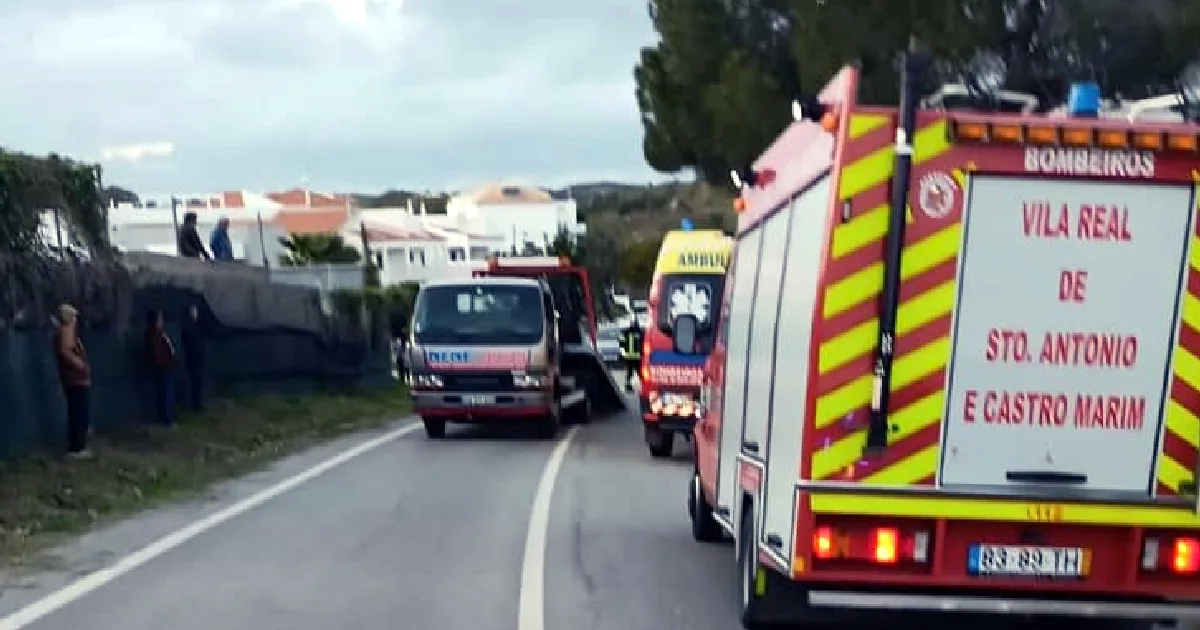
(748, 566)
(661, 443)
(435, 428)
(704, 527)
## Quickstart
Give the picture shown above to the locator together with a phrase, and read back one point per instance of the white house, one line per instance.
(517, 215)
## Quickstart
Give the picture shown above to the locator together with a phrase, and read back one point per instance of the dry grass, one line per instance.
(44, 498)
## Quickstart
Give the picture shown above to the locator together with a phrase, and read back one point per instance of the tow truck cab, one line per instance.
(960, 366)
(487, 349)
(682, 318)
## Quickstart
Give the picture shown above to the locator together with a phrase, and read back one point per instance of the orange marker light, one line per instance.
(739, 205)
(829, 122)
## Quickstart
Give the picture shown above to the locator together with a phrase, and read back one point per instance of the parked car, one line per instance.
(608, 343)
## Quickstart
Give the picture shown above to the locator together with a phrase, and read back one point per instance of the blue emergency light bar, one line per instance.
(1083, 101)
(687, 225)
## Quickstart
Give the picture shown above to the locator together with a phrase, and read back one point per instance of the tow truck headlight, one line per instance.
(428, 381)
(525, 380)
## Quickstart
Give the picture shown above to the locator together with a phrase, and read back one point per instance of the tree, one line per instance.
(637, 263)
(715, 90)
(315, 249)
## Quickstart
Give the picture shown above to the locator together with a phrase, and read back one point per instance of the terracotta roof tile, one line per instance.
(233, 199)
(499, 194)
(312, 221)
(385, 234)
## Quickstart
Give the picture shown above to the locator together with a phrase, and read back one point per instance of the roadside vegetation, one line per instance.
(45, 498)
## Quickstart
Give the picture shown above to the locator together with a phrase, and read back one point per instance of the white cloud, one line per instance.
(359, 94)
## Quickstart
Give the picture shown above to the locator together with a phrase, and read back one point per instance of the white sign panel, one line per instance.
(1063, 332)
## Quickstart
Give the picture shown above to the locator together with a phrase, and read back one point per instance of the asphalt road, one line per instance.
(411, 534)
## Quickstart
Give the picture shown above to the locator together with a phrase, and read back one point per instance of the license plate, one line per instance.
(479, 400)
(1022, 561)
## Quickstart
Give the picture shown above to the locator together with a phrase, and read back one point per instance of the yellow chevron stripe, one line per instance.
(865, 229)
(999, 510)
(909, 470)
(861, 339)
(863, 124)
(907, 369)
(1172, 474)
(919, 257)
(875, 168)
(1181, 421)
(829, 461)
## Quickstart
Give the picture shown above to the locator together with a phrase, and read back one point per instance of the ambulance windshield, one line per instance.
(492, 314)
(697, 295)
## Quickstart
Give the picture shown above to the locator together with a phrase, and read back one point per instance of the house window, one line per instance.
(416, 256)
(457, 254)
(511, 191)
(150, 203)
(195, 203)
(379, 260)
(480, 252)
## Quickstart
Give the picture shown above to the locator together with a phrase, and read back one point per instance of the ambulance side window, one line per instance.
(723, 324)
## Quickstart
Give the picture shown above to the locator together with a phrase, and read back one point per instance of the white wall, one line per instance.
(159, 237)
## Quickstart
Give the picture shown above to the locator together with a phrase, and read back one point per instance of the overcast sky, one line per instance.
(362, 95)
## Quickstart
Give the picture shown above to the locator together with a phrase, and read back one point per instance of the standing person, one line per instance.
(162, 363)
(75, 374)
(190, 245)
(631, 351)
(219, 242)
(194, 354)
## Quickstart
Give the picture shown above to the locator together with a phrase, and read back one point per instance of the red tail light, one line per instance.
(823, 543)
(876, 545)
(1185, 555)
(886, 547)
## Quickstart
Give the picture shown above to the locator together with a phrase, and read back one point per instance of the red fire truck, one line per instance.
(959, 369)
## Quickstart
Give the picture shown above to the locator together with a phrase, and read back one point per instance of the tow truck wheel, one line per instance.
(549, 424)
(661, 443)
(435, 428)
(749, 568)
(704, 527)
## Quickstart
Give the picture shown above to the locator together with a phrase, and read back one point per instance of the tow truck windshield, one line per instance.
(698, 295)
(492, 314)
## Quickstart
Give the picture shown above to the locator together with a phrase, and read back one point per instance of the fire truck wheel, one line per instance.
(704, 527)
(435, 428)
(661, 443)
(748, 567)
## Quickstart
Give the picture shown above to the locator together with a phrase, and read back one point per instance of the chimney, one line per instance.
(409, 203)
(422, 211)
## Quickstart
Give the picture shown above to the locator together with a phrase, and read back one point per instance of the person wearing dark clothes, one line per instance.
(190, 245)
(193, 357)
(75, 373)
(162, 363)
(631, 351)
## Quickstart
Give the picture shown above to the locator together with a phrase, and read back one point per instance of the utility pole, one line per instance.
(175, 222)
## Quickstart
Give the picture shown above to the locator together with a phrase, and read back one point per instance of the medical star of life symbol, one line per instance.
(690, 299)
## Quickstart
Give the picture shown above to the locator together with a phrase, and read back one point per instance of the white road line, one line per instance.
(93, 581)
(531, 608)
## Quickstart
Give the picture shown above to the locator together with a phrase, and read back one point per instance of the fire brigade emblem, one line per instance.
(937, 194)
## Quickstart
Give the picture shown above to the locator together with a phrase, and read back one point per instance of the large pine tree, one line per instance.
(715, 89)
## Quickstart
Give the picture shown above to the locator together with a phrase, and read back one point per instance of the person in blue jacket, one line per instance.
(219, 243)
